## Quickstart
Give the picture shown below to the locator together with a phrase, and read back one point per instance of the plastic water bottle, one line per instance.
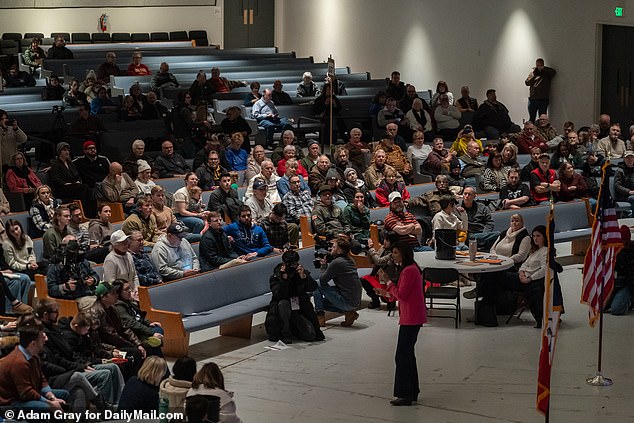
(473, 249)
(163, 408)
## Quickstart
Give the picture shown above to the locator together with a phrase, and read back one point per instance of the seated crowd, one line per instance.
(110, 354)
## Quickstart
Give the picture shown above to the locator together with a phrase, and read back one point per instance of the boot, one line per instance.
(321, 318)
(351, 316)
(21, 308)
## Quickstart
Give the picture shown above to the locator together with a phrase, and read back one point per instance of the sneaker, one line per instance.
(351, 316)
(21, 308)
(471, 294)
(321, 318)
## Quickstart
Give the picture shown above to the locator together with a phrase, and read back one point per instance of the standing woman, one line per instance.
(409, 293)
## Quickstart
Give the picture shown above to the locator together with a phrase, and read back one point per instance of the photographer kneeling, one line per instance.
(70, 276)
(344, 296)
(291, 313)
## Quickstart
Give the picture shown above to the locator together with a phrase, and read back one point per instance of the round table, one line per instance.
(461, 263)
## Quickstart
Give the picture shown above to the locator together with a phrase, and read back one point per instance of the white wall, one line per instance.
(480, 43)
(127, 19)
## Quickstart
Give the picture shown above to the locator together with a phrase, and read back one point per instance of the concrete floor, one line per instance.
(471, 374)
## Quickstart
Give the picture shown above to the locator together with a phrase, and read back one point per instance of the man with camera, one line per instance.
(339, 287)
(70, 276)
(10, 137)
(291, 313)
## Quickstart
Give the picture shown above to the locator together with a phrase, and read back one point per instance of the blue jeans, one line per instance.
(19, 288)
(109, 386)
(39, 405)
(273, 127)
(195, 224)
(328, 298)
(485, 240)
(621, 302)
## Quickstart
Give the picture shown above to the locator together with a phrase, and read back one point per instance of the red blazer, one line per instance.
(409, 293)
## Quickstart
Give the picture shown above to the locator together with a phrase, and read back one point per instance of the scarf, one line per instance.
(420, 117)
(23, 172)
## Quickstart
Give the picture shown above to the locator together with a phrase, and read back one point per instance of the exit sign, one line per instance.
(618, 12)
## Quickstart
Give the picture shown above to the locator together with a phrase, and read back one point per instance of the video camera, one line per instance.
(69, 254)
(322, 250)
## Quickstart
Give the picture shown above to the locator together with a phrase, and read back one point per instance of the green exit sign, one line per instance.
(618, 12)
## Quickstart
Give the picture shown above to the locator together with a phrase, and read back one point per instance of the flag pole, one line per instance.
(598, 379)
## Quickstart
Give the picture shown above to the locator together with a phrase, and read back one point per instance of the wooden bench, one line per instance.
(66, 307)
(227, 298)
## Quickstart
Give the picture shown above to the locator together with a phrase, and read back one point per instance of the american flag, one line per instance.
(598, 266)
(553, 305)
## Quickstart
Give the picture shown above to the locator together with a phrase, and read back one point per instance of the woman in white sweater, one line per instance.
(528, 280)
(515, 242)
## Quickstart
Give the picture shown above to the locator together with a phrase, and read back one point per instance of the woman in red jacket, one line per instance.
(388, 185)
(409, 293)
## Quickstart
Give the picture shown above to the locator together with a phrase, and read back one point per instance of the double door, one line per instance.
(617, 75)
(249, 23)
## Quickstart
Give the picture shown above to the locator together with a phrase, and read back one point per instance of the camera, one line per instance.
(321, 253)
(58, 109)
(69, 254)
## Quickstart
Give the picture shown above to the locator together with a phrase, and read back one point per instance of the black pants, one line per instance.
(406, 376)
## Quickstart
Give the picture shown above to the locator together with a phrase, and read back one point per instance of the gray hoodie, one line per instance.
(173, 261)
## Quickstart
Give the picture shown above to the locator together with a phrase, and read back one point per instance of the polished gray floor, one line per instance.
(471, 374)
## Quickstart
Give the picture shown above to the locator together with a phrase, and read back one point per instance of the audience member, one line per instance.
(53, 236)
(621, 301)
(258, 203)
(184, 205)
(352, 184)
(73, 97)
(402, 222)
(252, 96)
(100, 229)
(136, 68)
(267, 173)
(220, 84)
(86, 123)
(280, 233)
(215, 248)
(529, 138)
(267, 115)
(279, 96)
(463, 139)
(224, 199)
(119, 263)
(388, 185)
(17, 78)
(471, 166)
(543, 127)
(200, 90)
(118, 187)
(288, 138)
(235, 155)
(407, 102)
(143, 220)
(573, 185)
(143, 181)
(19, 255)
(514, 194)
(525, 174)
(132, 317)
(624, 179)
(543, 181)
(33, 55)
(131, 163)
(327, 107)
(394, 153)
(11, 135)
(109, 68)
(283, 184)
(164, 78)
(612, 146)
(20, 178)
(395, 87)
(357, 217)
(358, 150)
(42, 211)
(298, 202)
(447, 118)
(141, 392)
(53, 90)
(235, 122)
(170, 164)
(441, 89)
(59, 50)
(383, 270)
(344, 296)
(494, 175)
(173, 255)
(102, 103)
(466, 103)
(209, 173)
(311, 159)
(146, 272)
(328, 218)
(22, 381)
(391, 114)
(129, 110)
(91, 166)
(538, 81)
(79, 229)
(176, 386)
(480, 221)
(438, 158)
(249, 239)
(307, 88)
(419, 119)
(493, 117)
(209, 383)
(451, 216)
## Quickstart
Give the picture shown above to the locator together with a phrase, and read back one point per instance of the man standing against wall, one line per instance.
(538, 82)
